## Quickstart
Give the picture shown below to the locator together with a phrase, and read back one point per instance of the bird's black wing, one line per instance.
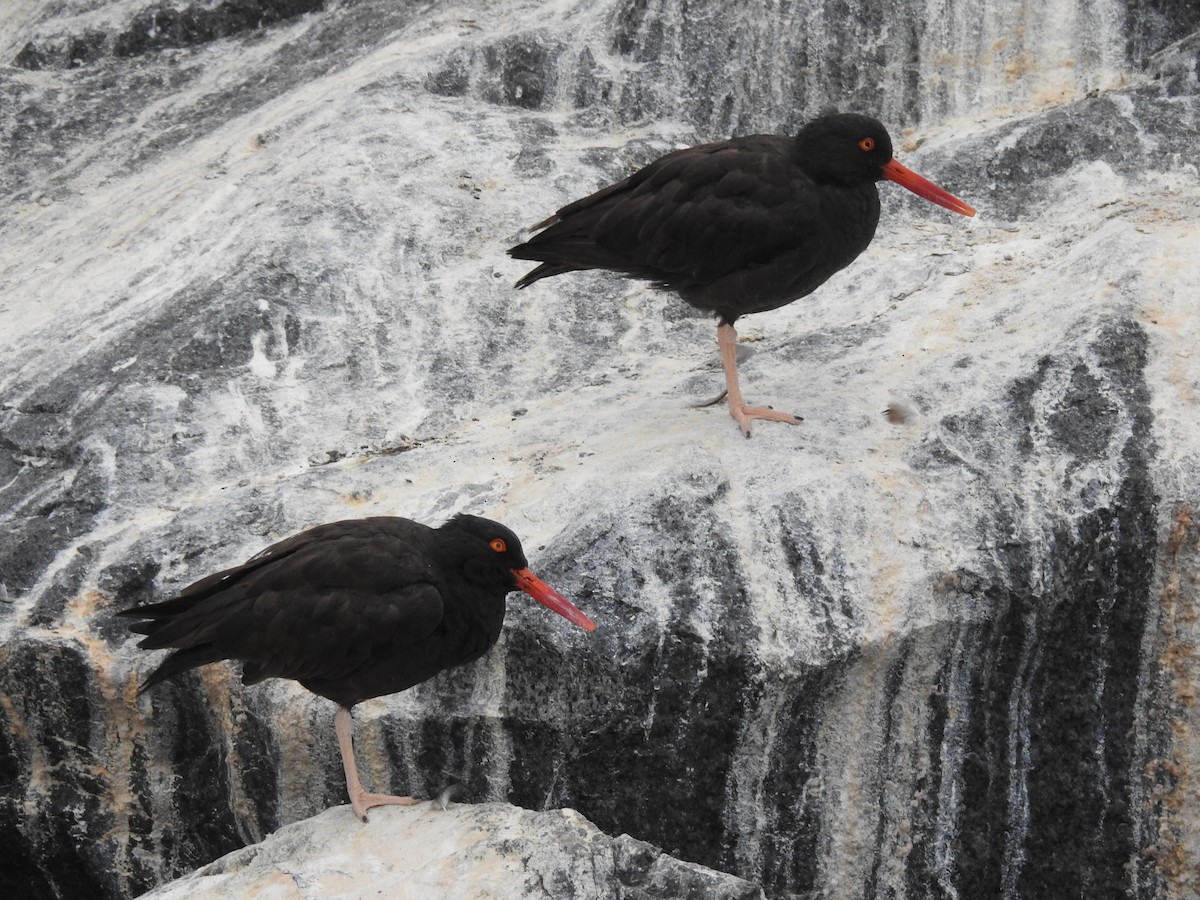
(690, 218)
(210, 585)
(311, 607)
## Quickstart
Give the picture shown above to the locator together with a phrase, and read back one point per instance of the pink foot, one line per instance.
(743, 414)
(362, 801)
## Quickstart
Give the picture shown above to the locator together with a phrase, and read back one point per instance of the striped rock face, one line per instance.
(253, 278)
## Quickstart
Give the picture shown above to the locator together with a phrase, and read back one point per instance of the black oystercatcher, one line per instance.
(352, 610)
(736, 227)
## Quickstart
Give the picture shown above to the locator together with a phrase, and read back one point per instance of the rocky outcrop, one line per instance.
(491, 850)
(256, 282)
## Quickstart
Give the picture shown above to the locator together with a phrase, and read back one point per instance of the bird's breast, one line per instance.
(471, 627)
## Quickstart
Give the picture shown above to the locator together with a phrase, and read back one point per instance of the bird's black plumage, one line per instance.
(351, 610)
(735, 227)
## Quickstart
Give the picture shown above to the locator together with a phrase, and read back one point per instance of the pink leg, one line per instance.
(343, 726)
(742, 414)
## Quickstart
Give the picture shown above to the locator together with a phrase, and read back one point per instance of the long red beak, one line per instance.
(906, 177)
(552, 599)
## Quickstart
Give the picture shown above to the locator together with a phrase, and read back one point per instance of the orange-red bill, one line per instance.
(551, 599)
(907, 178)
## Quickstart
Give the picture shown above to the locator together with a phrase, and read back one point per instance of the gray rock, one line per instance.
(257, 281)
(469, 852)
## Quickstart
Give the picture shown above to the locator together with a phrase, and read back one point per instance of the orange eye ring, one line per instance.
(867, 144)
(498, 545)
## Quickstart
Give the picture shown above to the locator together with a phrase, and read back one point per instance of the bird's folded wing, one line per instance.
(689, 218)
(336, 632)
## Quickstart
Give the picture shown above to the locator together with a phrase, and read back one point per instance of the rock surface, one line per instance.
(252, 278)
(467, 852)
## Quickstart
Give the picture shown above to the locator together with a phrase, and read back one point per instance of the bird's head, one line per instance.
(845, 148)
(497, 550)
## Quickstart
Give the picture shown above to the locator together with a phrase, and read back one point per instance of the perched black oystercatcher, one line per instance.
(352, 610)
(736, 227)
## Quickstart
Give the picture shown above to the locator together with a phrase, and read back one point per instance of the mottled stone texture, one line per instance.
(163, 26)
(252, 278)
(474, 853)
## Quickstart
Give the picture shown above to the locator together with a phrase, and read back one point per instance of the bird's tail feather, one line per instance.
(545, 270)
(181, 661)
(184, 623)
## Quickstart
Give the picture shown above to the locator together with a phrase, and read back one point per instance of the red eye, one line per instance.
(498, 545)
(867, 144)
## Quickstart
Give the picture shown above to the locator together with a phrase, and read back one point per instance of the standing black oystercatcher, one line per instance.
(736, 227)
(352, 610)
